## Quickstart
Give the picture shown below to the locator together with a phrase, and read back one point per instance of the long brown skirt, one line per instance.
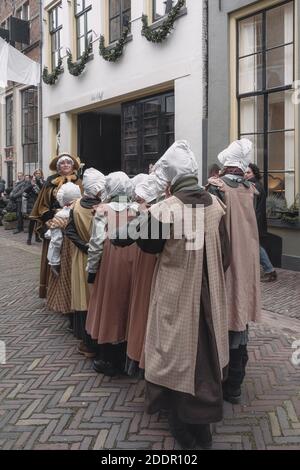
(44, 271)
(110, 298)
(59, 288)
(139, 305)
(207, 406)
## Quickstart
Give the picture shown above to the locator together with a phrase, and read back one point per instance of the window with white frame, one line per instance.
(265, 84)
(30, 129)
(161, 8)
(83, 11)
(55, 29)
(119, 18)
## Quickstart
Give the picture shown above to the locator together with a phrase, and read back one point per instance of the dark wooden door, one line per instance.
(147, 131)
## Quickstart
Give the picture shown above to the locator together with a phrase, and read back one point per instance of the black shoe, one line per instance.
(181, 432)
(38, 240)
(105, 368)
(17, 231)
(232, 395)
(269, 277)
(28, 242)
(202, 434)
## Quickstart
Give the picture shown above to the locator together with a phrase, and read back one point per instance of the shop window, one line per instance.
(265, 83)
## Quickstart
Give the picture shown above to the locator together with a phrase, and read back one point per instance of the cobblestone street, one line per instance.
(51, 398)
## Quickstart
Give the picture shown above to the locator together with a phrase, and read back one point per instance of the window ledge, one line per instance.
(112, 45)
(158, 23)
(278, 223)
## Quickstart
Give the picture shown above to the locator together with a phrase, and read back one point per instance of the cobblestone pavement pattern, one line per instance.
(50, 397)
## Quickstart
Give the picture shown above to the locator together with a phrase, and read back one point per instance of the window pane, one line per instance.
(25, 12)
(257, 153)
(280, 25)
(170, 104)
(114, 8)
(250, 35)
(130, 129)
(131, 146)
(131, 167)
(79, 5)
(281, 111)
(115, 29)
(151, 144)
(80, 26)
(161, 7)
(150, 126)
(152, 107)
(282, 185)
(169, 140)
(282, 151)
(276, 185)
(169, 124)
(126, 4)
(126, 19)
(55, 59)
(280, 70)
(59, 15)
(81, 46)
(130, 111)
(250, 74)
(252, 114)
(52, 21)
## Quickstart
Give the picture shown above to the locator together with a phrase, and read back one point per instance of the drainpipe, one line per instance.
(40, 141)
(205, 37)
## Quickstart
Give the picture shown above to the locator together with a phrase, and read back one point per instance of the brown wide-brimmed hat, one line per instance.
(54, 161)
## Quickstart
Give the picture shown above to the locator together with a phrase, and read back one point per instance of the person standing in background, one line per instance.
(253, 174)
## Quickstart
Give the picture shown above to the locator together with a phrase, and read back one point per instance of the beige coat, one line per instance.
(80, 293)
(243, 275)
(174, 311)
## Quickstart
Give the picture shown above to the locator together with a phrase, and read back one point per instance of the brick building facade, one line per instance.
(19, 110)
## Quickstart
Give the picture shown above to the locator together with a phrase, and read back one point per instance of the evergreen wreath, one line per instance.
(112, 54)
(51, 78)
(165, 29)
(76, 68)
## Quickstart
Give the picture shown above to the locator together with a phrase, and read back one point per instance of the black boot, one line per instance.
(202, 433)
(108, 360)
(181, 432)
(236, 374)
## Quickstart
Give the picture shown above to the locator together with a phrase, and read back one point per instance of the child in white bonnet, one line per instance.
(66, 195)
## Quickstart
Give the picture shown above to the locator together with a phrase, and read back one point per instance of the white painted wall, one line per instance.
(143, 65)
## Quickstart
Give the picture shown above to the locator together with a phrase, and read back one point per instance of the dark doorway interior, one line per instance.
(99, 141)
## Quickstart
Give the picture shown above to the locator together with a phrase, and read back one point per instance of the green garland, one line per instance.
(112, 54)
(165, 29)
(51, 78)
(76, 68)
